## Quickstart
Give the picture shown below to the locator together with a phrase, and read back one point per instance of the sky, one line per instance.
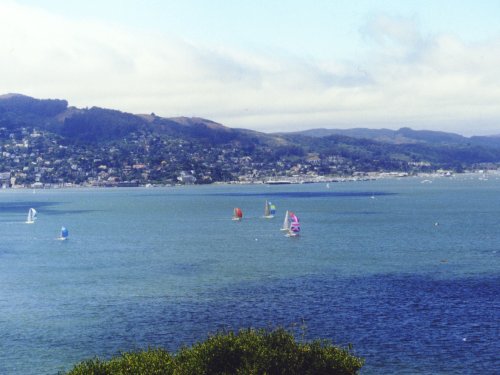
(265, 65)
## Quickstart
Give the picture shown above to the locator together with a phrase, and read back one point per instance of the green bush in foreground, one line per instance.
(248, 351)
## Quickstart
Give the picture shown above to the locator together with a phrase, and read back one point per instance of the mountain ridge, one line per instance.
(400, 136)
(13, 102)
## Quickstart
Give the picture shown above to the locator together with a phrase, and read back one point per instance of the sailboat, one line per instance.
(237, 214)
(269, 210)
(294, 229)
(64, 234)
(31, 216)
(286, 222)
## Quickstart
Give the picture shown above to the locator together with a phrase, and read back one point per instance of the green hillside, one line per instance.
(47, 142)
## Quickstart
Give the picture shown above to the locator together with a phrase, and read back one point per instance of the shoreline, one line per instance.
(295, 180)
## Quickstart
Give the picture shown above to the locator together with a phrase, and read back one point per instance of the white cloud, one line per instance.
(405, 79)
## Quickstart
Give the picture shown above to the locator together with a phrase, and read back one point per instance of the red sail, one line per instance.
(238, 212)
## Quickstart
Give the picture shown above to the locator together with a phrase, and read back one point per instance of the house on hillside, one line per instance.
(5, 179)
(186, 178)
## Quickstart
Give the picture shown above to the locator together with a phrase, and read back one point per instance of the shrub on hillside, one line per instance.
(248, 351)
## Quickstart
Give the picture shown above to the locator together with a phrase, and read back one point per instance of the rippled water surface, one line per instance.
(409, 273)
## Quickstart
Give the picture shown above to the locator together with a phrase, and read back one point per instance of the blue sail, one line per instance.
(64, 232)
(272, 209)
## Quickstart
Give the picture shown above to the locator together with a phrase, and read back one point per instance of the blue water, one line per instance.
(164, 267)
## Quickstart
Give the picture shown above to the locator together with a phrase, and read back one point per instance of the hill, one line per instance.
(405, 136)
(45, 141)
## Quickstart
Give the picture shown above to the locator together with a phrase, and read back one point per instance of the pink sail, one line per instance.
(294, 223)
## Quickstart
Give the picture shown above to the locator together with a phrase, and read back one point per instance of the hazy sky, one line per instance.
(265, 65)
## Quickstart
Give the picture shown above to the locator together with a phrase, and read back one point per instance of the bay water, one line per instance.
(405, 271)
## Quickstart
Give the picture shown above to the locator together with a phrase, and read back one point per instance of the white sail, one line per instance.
(286, 223)
(31, 216)
(266, 209)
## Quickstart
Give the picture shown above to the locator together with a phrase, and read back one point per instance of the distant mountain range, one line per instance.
(405, 136)
(319, 151)
(98, 124)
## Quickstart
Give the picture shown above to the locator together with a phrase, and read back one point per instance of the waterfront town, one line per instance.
(30, 158)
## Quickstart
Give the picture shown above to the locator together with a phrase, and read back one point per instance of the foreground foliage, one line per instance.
(248, 351)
